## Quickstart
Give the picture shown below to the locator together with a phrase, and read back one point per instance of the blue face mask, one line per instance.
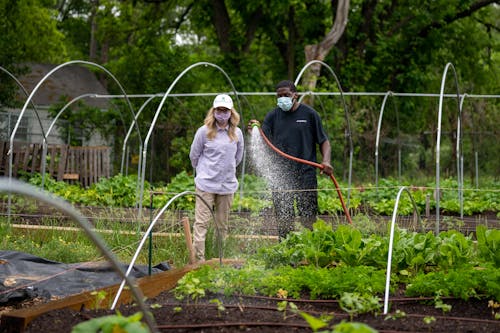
(285, 103)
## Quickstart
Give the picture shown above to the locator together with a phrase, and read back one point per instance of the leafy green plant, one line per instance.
(439, 304)
(462, 282)
(356, 303)
(220, 306)
(488, 244)
(195, 283)
(283, 306)
(191, 287)
(396, 315)
(454, 250)
(315, 323)
(352, 327)
(112, 324)
(414, 250)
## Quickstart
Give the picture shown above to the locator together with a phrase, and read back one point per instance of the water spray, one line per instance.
(314, 164)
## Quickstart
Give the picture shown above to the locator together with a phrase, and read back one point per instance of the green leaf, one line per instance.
(314, 322)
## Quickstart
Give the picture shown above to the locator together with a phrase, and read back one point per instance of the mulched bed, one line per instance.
(261, 314)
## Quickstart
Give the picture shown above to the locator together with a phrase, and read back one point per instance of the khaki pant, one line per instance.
(221, 203)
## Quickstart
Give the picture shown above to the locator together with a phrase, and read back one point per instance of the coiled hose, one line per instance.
(314, 164)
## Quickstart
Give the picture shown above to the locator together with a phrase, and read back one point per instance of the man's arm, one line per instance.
(326, 152)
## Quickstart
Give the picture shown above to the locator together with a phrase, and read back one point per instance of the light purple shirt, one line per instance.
(216, 160)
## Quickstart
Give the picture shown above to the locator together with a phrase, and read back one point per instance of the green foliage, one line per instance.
(252, 279)
(352, 327)
(117, 191)
(112, 323)
(413, 251)
(356, 303)
(314, 323)
(324, 247)
(454, 250)
(18, 42)
(194, 285)
(488, 244)
(69, 123)
(256, 194)
(180, 183)
(121, 191)
(328, 198)
(461, 282)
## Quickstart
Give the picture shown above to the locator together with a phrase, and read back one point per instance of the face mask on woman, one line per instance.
(222, 116)
(285, 103)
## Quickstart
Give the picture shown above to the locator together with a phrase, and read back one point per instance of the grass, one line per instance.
(56, 238)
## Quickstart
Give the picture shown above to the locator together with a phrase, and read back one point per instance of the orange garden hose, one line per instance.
(314, 164)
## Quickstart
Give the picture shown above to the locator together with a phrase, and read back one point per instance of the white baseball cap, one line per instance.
(224, 101)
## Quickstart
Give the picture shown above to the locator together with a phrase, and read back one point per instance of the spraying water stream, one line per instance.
(270, 162)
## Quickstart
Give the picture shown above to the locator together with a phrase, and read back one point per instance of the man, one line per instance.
(295, 129)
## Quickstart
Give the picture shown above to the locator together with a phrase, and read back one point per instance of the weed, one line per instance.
(100, 296)
(220, 306)
(396, 315)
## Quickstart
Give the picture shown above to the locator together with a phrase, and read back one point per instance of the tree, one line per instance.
(29, 33)
(320, 51)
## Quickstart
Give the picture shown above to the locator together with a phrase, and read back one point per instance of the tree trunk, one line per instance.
(93, 30)
(321, 50)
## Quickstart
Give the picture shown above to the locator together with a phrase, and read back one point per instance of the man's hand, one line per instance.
(251, 124)
(327, 168)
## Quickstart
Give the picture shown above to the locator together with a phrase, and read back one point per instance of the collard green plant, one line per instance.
(454, 250)
(488, 244)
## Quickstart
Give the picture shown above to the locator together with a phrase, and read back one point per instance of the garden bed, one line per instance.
(263, 314)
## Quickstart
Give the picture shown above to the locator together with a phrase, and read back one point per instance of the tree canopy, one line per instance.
(373, 46)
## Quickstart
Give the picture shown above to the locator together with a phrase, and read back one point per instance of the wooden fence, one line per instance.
(85, 165)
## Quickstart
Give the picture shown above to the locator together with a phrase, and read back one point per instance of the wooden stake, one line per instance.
(189, 242)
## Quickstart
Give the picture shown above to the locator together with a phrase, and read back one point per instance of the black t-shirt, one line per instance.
(296, 133)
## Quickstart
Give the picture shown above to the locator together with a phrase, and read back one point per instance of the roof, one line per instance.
(71, 81)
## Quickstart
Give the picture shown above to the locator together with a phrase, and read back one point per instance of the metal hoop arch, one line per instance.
(377, 139)
(27, 95)
(438, 139)
(391, 241)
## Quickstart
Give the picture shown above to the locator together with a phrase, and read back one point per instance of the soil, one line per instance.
(261, 314)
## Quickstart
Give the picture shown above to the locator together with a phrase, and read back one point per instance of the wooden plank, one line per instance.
(70, 164)
(36, 158)
(88, 170)
(52, 162)
(92, 165)
(71, 176)
(61, 167)
(107, 164)
(28, 152)
(18, 150)
(4, 147)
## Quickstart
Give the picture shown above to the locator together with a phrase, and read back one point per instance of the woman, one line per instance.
(216, 151)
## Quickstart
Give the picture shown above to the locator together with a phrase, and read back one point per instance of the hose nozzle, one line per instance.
(255, 125)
